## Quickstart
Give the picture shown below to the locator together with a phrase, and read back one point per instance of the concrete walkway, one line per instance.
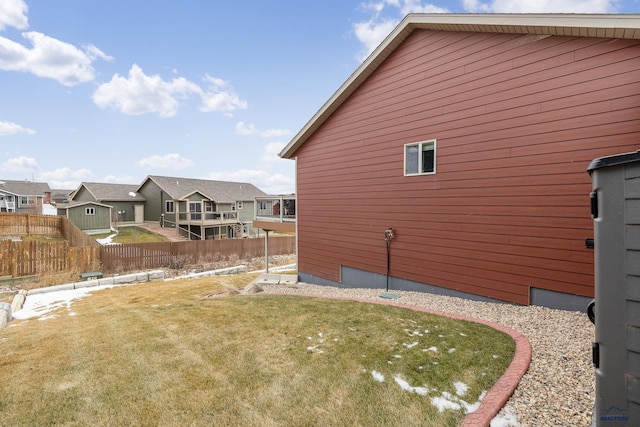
(276, 279)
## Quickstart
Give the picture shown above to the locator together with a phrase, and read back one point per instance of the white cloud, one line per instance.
(243, 128)
(476, 6)
(13, 13)
(271, 151)
(50, 58)
(242, 175)
(95, 53)
(172, 161)
(9, 128)
(540, 6)
(140, 94)
(66, 177)
(416, 6)
(127, 179)
(20, 164)
(279, 184)
(274, 133)
(220, 97)
(269, 183)
(372, 32)
(386, 14)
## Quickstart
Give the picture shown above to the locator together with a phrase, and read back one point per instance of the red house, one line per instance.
(469, 136)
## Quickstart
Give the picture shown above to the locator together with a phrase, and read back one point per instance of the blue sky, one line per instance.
(113, 91)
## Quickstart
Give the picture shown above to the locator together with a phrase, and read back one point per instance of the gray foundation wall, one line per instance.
(355, 278)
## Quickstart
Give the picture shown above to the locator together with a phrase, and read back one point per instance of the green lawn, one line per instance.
(133, 234)
(172, 353)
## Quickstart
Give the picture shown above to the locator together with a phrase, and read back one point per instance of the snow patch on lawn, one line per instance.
(508, 419)
(40, 305)
(461, 388)
(377, 376)
(407, 387)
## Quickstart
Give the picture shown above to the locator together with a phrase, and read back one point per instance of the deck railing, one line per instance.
(208, 217)
(275, 208)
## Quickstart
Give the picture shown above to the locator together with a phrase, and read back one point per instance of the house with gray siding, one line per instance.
(199, 208)
(60, 195)
(23, 196)
(127, 205)
(90, 216)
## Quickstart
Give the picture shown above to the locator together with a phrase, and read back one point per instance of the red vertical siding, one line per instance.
(517, 120)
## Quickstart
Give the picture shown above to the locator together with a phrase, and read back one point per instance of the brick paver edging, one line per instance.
(495, 399)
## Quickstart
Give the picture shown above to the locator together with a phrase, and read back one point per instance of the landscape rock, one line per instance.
(18, 300)
(252, 288)
(5, 314)
(65, 287)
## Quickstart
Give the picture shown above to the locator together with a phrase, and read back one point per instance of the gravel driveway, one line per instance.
(559, 387)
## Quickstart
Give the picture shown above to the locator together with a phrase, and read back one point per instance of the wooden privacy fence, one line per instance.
(16, 224)
(80, 253)
(19, 224)
(144, 256)
(74, 235)
(42, 258)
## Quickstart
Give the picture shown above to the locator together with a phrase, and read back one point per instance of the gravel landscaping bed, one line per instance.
(559, 387)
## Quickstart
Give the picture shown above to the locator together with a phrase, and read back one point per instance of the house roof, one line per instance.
(219, 191)
(24, 188)
(60, 194)
(574, 25)
(111, 192)
(72, 205)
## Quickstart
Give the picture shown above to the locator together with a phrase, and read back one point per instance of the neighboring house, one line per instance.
(90, 216)
(60, 196)
(469, 136)
(198, 208)
(24, 196)
(127, 204)
(275, 213)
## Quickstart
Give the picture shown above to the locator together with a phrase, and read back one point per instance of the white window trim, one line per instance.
(239, 205)
(89, 211)
(419, 144)
(29, 201)
(166, 206)
(195, 207)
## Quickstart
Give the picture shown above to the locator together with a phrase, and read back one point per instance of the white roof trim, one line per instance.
(575, 25)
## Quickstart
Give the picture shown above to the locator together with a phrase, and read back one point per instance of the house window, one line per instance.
(89, 211)
(168, 206)
(208, 206)
(27, 201)
(420, 158)
(239, 205)
(195, 210)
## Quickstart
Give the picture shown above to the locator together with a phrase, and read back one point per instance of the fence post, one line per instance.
(12, 258)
